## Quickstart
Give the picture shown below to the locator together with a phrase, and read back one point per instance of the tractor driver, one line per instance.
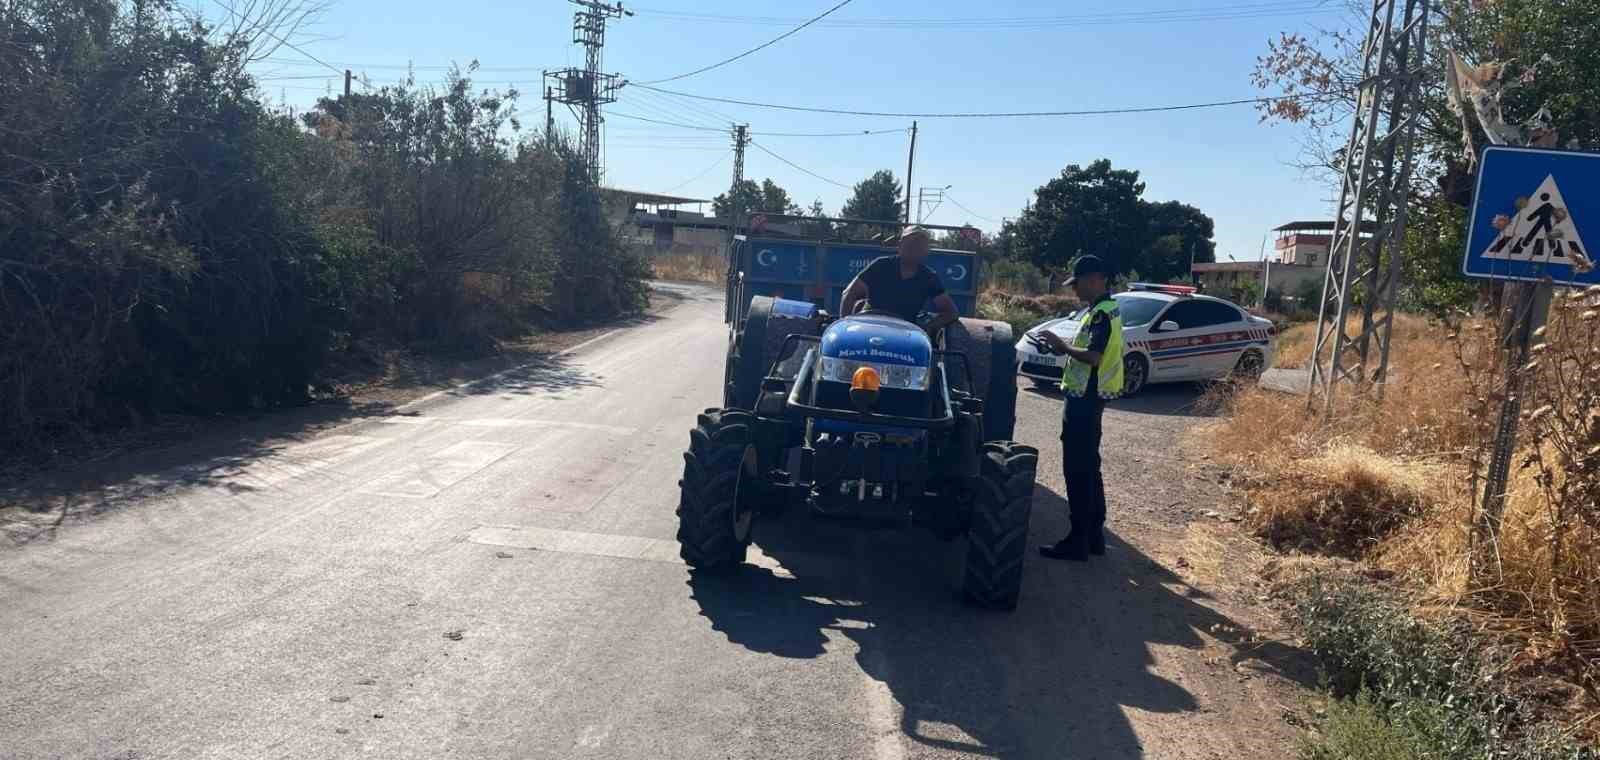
(902, 284)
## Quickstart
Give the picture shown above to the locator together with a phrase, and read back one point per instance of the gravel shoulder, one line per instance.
(1216, 678)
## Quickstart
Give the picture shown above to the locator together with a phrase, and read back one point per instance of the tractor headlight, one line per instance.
(890, 375)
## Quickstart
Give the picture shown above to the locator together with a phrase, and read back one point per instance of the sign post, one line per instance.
(1530, 214)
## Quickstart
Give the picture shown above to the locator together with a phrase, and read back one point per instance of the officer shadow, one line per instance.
(1055, 679)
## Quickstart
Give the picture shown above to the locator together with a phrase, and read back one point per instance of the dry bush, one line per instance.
(690, 267)
(1294, 346)
(1049, 306)
(1341, 501)
(1400, 483)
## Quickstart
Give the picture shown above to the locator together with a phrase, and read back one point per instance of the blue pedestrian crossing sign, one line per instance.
(1531, 215)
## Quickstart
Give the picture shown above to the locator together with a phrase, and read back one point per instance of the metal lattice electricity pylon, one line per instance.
(1369, 228)
(585, 90)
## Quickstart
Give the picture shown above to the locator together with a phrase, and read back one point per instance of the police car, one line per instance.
(1170, 334)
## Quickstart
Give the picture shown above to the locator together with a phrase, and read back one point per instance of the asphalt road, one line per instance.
(490, 573)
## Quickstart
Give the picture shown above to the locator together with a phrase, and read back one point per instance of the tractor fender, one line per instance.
(991, 355)
(767, 323)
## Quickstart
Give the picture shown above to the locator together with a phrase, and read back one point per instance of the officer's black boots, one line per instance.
(1073, 548)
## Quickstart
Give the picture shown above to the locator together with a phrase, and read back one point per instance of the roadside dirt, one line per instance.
(1220, 674)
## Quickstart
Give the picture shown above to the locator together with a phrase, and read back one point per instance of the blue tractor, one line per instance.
(861, 417)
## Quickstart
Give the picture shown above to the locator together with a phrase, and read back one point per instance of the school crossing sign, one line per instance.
(1531, 215)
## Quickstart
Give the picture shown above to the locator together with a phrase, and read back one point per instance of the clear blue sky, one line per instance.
(1222, 160)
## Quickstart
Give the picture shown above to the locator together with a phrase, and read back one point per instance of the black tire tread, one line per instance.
(997, 539)
(707, 491)
(1129, 392)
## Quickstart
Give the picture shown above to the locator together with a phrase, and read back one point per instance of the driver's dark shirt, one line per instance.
(902, 296)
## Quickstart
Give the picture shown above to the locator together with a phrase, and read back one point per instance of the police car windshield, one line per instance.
(1138, 310)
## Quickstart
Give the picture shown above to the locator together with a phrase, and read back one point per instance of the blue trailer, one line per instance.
(819, 271)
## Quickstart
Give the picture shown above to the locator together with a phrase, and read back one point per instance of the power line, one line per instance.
(290, 79)
(1169, 15)
(413, 67)
(864, 132)
(755, 49)
(681, 125)
(708, 170)
(999, 114)
(792, 164)
(671, 148)
(282, 41)
(681, 109)
(958, 205)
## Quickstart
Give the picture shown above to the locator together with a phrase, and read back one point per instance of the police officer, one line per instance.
(1093, 375)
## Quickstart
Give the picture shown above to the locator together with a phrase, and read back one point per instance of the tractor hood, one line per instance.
(878, 339)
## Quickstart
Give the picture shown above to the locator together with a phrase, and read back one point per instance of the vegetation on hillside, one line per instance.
(169, 242)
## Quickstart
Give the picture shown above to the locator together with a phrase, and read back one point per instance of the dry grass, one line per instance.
(1296, 343)
(1398, 485)
(1340, 501)
(691, 267)
(1294, 346)
(1022, 312)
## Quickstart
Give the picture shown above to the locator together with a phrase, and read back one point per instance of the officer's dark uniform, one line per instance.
(1080, 452)
(1086, 388)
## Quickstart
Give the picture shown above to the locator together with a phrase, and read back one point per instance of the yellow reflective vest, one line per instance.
(1075, 377)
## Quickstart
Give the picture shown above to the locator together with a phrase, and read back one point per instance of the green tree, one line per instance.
(1092, 209)
(1179, 234)
(171, 243)
(877, 198)
(749, 198)
(813, 226)
(1308, 295)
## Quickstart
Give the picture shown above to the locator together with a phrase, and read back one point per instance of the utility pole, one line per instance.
(585, 90)
(1266, 267)
(549, 113)
(911, 159)
(1369, 227)
(741, 138)
(926, 193)
(347, 83)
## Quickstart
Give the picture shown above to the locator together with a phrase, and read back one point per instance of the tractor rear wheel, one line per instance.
(997, 539)
(715, 505)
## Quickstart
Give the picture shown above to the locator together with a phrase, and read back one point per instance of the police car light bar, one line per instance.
(1175, 290)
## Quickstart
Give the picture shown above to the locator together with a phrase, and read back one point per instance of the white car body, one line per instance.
(1213, 339)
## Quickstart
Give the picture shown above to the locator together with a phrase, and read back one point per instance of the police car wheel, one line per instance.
(715, 513)
(1045, 386)
(1135, 373)
(1250, 366)
(997, 537)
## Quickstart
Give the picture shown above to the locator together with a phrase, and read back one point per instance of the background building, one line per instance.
(1293, 272)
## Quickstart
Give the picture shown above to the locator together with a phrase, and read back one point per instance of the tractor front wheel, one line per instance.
(997, 539)
(715, 505)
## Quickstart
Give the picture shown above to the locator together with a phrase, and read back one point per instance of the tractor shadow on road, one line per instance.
(1052, 680)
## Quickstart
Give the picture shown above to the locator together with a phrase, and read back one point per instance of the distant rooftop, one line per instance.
(1226, 266)
(654, 199)
(1316, 226)
(1244, 266)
